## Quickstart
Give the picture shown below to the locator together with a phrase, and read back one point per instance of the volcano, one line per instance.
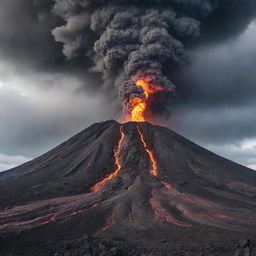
(135, 181)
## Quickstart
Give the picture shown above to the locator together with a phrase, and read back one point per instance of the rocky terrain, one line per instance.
(128, 189)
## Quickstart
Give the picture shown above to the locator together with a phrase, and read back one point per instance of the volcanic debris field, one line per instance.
(128, 189)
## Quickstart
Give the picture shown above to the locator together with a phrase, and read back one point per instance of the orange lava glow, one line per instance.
(223, 216)
(162, 215)
(52, 219)
(154, 170)
(139, 105)
(97, 187)
(111, 222)
(150, 154)
(167, 185)
(76, 213)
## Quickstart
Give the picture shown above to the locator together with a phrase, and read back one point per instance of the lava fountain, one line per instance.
(139, 107)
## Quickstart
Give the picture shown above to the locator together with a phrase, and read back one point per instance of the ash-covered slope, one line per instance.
(70, 168)
(134, 181)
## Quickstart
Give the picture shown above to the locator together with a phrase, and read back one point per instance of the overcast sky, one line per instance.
(44, 102)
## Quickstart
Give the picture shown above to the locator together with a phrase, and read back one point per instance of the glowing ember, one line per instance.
(150, 154)
(52, 219)
(222, 216)
(110, 221)
(76, 213)
(167, 185)
(162, 215)
(97, 187)
(139, 105)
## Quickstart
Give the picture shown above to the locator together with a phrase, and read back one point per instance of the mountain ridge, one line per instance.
(133, 181)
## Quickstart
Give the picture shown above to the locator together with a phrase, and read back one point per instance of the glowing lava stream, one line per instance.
(97, 187)
(139, 104)
(110, 221)
(163, 216)
(150, 154)
(153, 161)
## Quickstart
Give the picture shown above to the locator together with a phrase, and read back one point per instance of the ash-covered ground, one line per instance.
(128, 189)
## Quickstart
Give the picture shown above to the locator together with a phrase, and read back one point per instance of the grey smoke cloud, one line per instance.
(127, 40)
(131, 39)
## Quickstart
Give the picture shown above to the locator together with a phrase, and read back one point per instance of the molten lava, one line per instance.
(110, 223)
(139, 105)
(150, 154)
(153, 161)
(162, 215)
(97, 187)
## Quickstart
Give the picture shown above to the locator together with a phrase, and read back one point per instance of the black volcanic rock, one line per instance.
(192, 199)
(71, 168)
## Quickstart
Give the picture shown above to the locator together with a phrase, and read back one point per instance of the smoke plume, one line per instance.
(128, 40)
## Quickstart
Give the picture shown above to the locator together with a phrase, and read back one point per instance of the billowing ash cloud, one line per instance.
(127, 40)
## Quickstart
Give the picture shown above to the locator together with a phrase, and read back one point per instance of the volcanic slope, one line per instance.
(133, 181)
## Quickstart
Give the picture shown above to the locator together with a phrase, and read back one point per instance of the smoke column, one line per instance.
(133, 40)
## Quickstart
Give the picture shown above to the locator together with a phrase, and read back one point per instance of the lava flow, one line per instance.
(163, 215)
(153, 161)
(150, 154)
(97, 187)
(139, 105)
(142, 201)
(110, 221)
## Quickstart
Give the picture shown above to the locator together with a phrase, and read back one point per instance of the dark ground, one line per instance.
(196, 203)
(86, 246)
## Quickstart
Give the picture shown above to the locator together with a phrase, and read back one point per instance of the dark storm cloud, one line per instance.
(221, 74)
(55, 104)
(230, 19)
(216, 125)
(24, 32)
(34, 121)
(27, 42)
(218, 94)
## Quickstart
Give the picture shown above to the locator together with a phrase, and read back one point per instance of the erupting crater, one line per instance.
(139, 110)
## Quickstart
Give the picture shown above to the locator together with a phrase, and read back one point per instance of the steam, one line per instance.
(127, 40)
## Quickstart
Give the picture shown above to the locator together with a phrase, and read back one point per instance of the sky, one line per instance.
(45, 98)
